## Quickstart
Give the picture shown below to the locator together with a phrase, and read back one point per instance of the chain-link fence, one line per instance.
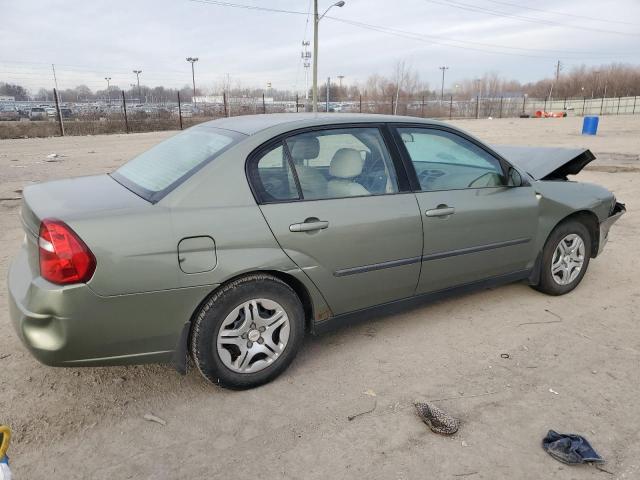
(122, 115)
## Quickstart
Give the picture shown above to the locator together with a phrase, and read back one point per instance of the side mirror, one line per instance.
(515, 179)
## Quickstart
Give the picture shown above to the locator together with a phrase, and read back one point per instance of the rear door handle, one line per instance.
(441, 211)
(308, 226)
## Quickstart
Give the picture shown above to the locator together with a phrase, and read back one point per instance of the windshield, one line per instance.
(156, 172)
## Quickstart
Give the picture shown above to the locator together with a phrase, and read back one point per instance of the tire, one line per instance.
(566, 232)
(233, 342)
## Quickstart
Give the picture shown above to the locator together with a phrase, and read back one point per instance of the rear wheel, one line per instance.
(248, 332)
(565, 258)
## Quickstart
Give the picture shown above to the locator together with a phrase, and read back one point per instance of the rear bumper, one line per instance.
(73, 326)
(618, 210)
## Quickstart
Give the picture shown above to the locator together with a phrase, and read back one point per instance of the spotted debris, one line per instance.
(437, 420)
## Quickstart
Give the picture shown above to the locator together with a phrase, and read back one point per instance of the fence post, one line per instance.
(264, 105)
(296, 103)
(500, 113)
(601, 104)
(360, 103)
(450, 106)
(584, 101)
(565, 103)
(618, 111)
(224, 103)
(55, 94)
(524, 101)
(124, 110)
(544, 108)
(180, 110)
(634, 105)
(422, 107)
(477, 106)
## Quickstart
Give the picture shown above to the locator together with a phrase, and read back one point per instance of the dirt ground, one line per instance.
(573, 365)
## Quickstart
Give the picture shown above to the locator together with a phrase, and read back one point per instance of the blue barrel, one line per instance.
(590, 125)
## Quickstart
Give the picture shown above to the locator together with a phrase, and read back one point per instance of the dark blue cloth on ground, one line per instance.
(570, 448)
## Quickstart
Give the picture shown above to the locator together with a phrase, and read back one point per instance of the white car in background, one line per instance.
(38, 113)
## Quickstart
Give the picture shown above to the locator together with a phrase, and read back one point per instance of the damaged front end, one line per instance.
(617, 211)
(555, 164)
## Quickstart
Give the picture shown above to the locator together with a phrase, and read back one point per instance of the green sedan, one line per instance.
(230, 241)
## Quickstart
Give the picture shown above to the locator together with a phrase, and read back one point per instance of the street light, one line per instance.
(443, 68)
(108, 79)
(316, 21)
(138, 72)
(193, 60)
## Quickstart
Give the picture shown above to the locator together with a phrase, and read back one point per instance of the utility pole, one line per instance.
(328, 89)
(138, 72)
(55, 81)
(340, 77)
(315, 56)
(193, 60)
(558, 66)
(443, 68)
(306, 59)
(108, 79)
(316, 21)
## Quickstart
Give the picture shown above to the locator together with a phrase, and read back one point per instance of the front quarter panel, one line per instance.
(559, 199)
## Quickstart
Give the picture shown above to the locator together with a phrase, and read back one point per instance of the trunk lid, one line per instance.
(547, 163)
(75, 198)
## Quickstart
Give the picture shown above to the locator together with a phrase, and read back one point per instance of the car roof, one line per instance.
(251, 124)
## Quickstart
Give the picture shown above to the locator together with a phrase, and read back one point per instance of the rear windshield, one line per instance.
(156, 172)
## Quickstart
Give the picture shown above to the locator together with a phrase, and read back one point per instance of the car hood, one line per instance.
(547, 163)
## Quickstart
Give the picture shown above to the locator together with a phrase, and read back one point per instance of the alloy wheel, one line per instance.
(253, 335)
(568, 259)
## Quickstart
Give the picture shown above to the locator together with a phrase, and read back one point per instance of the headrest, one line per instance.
(304, 148)
(346, 163)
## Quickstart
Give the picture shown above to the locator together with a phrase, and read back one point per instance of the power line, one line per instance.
(563, 14)
(416, 36)
(496, 13)
(429, 39)
(248, 7)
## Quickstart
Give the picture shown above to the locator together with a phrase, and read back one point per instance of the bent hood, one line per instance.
(547, 163)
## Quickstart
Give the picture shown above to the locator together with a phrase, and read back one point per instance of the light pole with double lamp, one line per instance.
(316, 21)
(138, 72)
(108, 79)
(193, 60)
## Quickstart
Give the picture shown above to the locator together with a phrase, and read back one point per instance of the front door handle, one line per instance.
(308, 226)
(441, 211)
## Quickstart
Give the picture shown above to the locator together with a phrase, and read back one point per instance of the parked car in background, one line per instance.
(9, 113)
(66, 112)
(233, 239)
(51, 112)
(37, 113)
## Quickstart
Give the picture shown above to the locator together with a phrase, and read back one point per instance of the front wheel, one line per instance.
(248, 332)
(565, 258)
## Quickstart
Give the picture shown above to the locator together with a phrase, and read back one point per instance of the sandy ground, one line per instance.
(88, 423)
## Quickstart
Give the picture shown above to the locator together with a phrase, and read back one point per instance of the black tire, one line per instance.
(547, 284)
(211, 315)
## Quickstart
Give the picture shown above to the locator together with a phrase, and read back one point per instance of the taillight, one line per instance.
(64, 257)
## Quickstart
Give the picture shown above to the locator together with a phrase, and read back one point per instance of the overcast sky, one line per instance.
(88, 40)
